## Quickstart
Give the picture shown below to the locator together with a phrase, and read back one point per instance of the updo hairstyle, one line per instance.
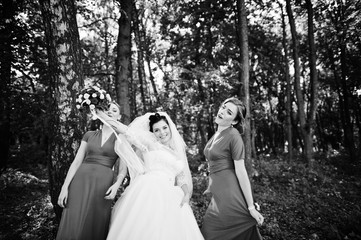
(156, 118)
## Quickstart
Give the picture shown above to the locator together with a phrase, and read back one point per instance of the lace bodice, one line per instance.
(162, 160)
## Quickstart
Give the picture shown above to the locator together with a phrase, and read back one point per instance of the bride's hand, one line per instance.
(185, 199)
(101, 114)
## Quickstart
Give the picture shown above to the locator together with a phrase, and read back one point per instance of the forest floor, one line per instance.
(298, 203)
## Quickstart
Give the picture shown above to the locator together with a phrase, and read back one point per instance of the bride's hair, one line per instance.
(156, 118)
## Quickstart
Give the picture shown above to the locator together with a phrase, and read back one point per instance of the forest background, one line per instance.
(295, 63)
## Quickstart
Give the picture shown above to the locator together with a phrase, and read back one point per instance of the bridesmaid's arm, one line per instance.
(245, 184)
(63, 196)
(208, 190)
(112, 190)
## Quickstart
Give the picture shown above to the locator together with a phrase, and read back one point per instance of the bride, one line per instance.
(156, 203)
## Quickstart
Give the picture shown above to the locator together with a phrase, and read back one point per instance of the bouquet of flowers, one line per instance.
(93, 98)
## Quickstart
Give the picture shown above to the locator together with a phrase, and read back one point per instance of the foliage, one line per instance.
(26, 211)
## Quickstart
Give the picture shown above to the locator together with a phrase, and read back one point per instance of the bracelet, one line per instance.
(251, 208)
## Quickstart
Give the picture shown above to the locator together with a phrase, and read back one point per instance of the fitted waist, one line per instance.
(107, 162)
(219, 165)
(168, 176)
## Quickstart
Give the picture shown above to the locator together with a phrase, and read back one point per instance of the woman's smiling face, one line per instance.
(226, 114)
(162, 131)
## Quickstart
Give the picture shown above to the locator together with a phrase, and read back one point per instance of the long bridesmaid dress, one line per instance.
(227, 216)
(87, 214)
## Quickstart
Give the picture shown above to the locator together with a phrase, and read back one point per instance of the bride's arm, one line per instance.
(116, 125)
(181, 182)
(121, 128)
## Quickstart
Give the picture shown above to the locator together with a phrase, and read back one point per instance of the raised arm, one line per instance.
(121, 128)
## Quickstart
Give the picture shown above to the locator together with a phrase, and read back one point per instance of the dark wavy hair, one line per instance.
(156, 118)
(241, 110)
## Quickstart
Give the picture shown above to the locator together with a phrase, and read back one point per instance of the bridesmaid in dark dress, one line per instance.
(88, 189)
(231, 214)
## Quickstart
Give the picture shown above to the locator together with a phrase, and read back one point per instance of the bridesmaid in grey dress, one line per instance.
(88, 189)
(231, 214)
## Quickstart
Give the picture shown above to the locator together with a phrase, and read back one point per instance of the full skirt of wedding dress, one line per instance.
(150, 209)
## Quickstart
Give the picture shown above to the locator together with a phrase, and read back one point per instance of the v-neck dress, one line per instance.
(227, 216)
(87, 214)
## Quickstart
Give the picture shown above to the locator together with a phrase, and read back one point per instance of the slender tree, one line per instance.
(65, 80)
(139, 40)
(288, 88)
(297, 83)
(311, 118)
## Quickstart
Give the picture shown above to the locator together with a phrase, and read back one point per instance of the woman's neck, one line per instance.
(221, 128)
(106, 128)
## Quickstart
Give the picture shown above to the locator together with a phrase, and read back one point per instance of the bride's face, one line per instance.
(162, 131)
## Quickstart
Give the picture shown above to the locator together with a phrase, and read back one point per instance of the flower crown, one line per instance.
(93, 97)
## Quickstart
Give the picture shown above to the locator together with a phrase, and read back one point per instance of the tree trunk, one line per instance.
(65, 81)
(123, 60)
(310, 127)
(7, 12)
(288, 90)
(307, 150)
(348, 130)
(244, 78)
(139, 40)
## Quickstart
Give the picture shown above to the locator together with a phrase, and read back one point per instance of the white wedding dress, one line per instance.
(149, 209)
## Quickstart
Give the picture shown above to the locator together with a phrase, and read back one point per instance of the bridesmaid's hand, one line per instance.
(63, 198)
(207, 191)
(112, 191)
(256, 215)
(185, 199)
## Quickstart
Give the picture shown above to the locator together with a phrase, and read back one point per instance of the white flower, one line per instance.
(86, 96)
(101, 96)
(94, 95)
(87, 101)
(108, 97)
(80, 96)
(78, 106)
(91, 106)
